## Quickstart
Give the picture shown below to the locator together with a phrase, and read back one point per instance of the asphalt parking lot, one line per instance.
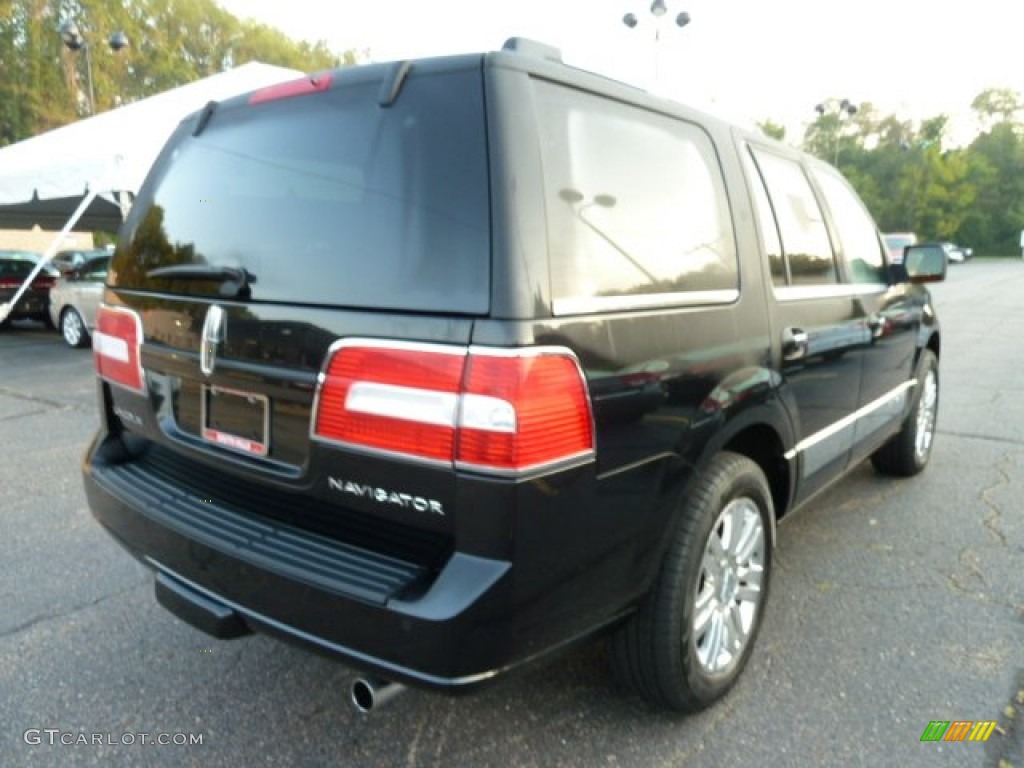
(894, 603)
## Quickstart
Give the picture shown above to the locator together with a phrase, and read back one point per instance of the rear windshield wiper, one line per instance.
(235, 281)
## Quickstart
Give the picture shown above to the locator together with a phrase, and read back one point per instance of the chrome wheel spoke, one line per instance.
(736, 636)
(749, 540)
(703, 611)
(750, 592)
(710, 564)
(715, 548)
(714, 640)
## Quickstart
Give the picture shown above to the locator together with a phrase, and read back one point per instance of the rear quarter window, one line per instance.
(329, 199)
(637, 212)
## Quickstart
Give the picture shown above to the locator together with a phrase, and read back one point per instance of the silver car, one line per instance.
(75, 298)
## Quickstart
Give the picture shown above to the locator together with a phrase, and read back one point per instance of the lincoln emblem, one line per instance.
(213, 334)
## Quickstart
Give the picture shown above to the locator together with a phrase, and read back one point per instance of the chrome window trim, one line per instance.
(585, 305)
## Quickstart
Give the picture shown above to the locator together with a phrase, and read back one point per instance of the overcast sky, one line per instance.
(743, 59)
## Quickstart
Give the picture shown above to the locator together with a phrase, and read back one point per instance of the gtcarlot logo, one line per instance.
(55, 736)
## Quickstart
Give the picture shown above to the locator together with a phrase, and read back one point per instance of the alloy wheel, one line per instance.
(729, 588)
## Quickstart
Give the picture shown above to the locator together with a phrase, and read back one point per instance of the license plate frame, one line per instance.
(219, 419)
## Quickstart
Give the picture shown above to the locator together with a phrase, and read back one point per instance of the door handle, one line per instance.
(795, 344)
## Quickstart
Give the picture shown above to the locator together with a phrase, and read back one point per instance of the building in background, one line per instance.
(37, 239)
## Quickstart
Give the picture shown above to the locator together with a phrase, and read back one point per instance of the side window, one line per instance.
(766, 222)
(805, 241)
(858, 237)
(96, 269)
(635, 202)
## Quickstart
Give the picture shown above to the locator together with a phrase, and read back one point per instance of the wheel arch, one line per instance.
(762, 444)
(934, 343)
(761, 433)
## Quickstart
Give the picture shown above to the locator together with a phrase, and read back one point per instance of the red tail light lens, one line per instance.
(116, 345)
(400, 399)
(524, 410)
(486, 409)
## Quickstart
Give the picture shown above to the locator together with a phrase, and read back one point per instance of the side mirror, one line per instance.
(925, 263)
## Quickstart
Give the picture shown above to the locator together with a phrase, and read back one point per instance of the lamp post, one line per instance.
(658, 10)
(73, 39)
(920, 176)
(844, 108)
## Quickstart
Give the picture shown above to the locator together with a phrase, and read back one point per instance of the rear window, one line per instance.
(19, 269)
(328, 199)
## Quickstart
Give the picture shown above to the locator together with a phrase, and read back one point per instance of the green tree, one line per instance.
(997, 105)
(772, 130)
(996, 167)
(172, 42)
(902, 172)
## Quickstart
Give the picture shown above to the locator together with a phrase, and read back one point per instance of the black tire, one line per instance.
(907, 452)
(660, 653)
(72, 328)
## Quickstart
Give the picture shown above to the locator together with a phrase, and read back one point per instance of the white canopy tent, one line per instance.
(87, 172)
(43, 179)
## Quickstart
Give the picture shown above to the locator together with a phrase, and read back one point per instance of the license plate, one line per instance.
(236, 419)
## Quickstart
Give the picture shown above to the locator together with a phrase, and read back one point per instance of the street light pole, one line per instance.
(658, 10)
(88, 71)
(843, 108)
(921, 176)
(73, 39)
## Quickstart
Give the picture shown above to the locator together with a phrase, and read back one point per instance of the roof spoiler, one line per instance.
(532, 48)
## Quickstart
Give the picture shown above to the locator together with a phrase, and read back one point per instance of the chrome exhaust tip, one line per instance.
(370, 692)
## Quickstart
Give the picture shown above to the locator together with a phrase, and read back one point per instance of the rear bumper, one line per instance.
(226, 573)
(32, 304)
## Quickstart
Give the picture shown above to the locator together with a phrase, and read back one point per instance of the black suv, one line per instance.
(441, 366)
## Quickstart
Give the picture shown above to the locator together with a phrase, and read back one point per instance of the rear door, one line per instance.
(819, 322)
(891, 314)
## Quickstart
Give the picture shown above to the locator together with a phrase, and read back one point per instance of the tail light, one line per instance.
(488, 409)
(42, 282)
(116, 345)
(523, 410)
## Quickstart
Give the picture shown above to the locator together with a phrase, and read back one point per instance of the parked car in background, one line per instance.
(71, 259)
(75, 297)
(34, 304)
(954, 253)
(957, 254)
(896, 242)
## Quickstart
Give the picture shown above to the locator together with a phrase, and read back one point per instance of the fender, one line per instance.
(742, 404)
